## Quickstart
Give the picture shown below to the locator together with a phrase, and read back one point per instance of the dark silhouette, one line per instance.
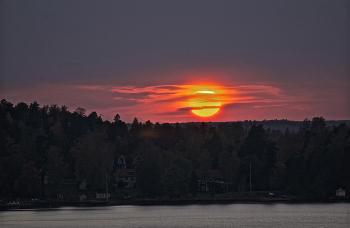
(44, 151)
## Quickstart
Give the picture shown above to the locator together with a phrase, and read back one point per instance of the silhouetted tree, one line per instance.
(94, 158)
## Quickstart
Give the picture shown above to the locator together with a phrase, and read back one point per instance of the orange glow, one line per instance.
(172, 102)
(205, 103)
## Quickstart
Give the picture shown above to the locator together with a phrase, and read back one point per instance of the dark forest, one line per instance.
(44, 149)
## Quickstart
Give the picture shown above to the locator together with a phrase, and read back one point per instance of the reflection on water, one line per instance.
(232, 215)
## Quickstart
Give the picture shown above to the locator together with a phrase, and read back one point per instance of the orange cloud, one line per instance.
(167, 103)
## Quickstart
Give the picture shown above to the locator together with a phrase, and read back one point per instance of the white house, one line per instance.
(340, 192)
(128, 176)
(102, 194)
(206, 179)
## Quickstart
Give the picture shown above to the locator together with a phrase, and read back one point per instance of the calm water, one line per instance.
(233, 215)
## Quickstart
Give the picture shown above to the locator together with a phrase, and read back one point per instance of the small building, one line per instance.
(82, 197)
(128, 176)
(210, 180)
(102, 194)
(340, 192)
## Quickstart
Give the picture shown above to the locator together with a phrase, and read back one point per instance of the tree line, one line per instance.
(49, 146)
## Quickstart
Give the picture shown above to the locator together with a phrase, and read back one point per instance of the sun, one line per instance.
(204, 103)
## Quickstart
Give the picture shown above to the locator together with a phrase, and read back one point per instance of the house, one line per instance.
(128, 176)
(128, 161)
(102, 194)
(82, 197)
(210, 180)
(340, 192)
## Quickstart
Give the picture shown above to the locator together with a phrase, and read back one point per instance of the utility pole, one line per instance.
(106, 188)
(270, 181)
(250, 174)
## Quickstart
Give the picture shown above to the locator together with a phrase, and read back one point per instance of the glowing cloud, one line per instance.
(170, 103)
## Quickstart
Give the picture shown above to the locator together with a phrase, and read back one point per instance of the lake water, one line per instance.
(230, 215)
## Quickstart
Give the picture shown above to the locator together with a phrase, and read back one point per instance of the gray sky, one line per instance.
(299, 47)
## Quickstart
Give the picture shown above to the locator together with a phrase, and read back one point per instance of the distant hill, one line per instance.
(280, 125)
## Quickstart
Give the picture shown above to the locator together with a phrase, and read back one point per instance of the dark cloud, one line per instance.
(117, 37)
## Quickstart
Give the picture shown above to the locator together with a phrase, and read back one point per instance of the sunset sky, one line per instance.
(270, 59)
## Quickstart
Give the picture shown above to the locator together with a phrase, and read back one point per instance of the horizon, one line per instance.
(86, 114)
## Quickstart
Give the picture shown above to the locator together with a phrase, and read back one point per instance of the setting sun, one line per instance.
(204, 103)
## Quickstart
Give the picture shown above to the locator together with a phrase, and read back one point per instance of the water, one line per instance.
(231, 215)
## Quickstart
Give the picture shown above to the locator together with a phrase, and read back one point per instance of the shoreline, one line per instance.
(156, 202)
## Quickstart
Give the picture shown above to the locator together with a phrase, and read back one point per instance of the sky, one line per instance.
(271, 59)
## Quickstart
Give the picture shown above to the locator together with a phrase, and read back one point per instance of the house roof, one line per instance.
(340, 190)
(214, 173)
(129, 159)
(126, 173)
